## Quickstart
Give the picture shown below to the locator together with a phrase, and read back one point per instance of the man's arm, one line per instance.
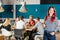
(34, 27)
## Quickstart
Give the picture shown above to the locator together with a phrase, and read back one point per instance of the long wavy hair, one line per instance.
(7, 22)
(53, 16)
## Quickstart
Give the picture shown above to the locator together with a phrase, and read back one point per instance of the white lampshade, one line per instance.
(23, 9)
(1, 8)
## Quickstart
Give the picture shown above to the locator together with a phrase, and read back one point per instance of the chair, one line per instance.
(6, 33)
(38, 37)
(19, 33)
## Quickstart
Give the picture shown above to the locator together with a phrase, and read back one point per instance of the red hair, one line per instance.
(53, 16)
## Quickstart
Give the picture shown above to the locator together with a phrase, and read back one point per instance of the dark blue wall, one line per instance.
(31, 11)
(7, 13)
(42, 10)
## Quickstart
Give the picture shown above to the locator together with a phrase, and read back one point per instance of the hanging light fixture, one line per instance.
(1, 8)
(23, 9)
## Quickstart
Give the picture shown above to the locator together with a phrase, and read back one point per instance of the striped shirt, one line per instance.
(51, 26)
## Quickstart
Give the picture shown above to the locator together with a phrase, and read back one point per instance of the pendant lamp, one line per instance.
(1, 8)
(23, 8)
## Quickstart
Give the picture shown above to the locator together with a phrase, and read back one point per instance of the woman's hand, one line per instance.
(43, 24)
(52, 33)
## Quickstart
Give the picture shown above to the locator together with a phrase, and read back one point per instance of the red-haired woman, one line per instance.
(51, 24)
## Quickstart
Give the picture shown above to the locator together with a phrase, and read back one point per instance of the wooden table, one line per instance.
(1, 37)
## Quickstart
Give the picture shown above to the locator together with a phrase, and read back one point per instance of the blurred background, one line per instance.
(38, 8)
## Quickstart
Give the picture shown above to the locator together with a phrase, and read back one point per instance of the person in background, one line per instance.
(51, 24)
(20, 23)
(6, 28)
(39, 27)
(19, 27)
(31, 21)
(30, 24)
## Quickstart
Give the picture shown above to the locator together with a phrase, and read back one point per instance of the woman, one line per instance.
(6, 28)
(51, 24)
(19, 28)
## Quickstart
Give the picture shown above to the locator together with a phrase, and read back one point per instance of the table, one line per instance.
(1, 37)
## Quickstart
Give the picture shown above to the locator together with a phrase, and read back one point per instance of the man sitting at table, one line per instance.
(31, 21)
(30, 24)
(39, 27)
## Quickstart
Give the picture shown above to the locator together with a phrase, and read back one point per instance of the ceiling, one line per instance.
(9, 2)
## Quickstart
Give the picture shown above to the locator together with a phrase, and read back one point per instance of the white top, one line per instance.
(5, 32)
(20, 24)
